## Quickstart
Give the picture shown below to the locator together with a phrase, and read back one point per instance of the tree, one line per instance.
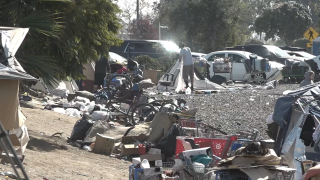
(254, 41)
(286, 20)
(63, 34)
(146, 30)
(210, 25)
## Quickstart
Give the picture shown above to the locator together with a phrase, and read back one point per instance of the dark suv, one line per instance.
(152, 48)
(273, 53)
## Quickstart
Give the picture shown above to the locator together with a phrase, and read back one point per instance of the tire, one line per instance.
(293, 80)
(259, 78)
(119, 92)
(144, 111)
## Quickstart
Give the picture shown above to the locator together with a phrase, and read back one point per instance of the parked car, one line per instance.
(301, 54)
(152, 48)
(239, 72)
(289, 48)
(273, 53)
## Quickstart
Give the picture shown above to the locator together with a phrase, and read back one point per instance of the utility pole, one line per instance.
(138, 14)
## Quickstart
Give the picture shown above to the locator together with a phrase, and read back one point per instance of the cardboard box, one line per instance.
(155, 160)
(104, 145)
(128, 148)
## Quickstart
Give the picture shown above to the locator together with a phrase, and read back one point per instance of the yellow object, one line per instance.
(309, 45)
(311, 34)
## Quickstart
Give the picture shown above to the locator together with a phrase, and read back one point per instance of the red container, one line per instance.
(142, 149)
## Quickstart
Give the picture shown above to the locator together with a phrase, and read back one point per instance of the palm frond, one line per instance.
(42, 23)
(41, 66)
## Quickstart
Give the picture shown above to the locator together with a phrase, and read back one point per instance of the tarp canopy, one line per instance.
(289, 114)
(179, 83)
(11, 39)
(10, 73)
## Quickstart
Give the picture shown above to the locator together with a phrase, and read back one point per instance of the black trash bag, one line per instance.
(168, 143)
(80, 129)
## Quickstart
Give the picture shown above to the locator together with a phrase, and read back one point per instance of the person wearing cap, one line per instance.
(188, 67)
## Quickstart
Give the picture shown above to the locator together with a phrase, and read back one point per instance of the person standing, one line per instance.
(101, 68)
(188, 66)
(308, 78)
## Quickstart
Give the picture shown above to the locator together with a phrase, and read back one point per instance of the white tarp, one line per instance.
(180, 85)
(11, 39)
(69, 85)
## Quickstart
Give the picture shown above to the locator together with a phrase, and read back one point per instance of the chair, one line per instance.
(169, 81)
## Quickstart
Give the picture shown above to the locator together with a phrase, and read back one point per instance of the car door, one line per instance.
(210, 61)
(238, 67)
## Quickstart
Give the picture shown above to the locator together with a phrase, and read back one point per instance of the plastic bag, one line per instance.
(60, 92)
(100, 115)
(59, 110)
(80, 129)
(100, 127)
(73, 112)
(82, 99)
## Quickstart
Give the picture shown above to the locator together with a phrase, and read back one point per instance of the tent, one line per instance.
(178, 84)
(69, 85)
(297, 114)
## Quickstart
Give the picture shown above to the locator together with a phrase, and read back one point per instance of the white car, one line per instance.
(239, 72)
(301, 54)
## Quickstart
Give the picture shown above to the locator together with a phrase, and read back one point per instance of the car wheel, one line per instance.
(259, 78)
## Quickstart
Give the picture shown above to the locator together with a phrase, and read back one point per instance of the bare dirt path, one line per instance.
(52, 158)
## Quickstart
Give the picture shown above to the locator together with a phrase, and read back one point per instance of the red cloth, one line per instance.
(312, 172)
(120, 71)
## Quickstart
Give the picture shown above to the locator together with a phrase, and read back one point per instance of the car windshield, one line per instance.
(117, 58)
(277, 51)
(170, 46)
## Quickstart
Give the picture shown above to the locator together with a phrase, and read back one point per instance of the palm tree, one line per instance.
(45, 28)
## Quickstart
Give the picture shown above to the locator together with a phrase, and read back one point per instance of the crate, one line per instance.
(219, 147)
(137, 174)
(278, 175)
(188, 123)
(222, 175)
(167, 167)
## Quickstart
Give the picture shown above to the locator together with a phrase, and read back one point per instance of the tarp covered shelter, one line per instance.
(11, 38)
(11, 72)
(297, 114)
(178, 84)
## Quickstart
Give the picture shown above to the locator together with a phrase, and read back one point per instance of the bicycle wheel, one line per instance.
(168, 107)
(142, 112)
(119, 87)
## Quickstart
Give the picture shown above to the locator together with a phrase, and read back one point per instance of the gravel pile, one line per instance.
(237, 110)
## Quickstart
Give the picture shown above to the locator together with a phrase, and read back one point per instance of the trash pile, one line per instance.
(191, 149)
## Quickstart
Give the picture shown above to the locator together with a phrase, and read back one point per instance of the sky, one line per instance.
(121, 3)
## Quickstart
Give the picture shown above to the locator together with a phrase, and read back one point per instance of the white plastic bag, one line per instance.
(59, 110)
(60, 92)
(82, 99)
(100, 115)
(73, 112)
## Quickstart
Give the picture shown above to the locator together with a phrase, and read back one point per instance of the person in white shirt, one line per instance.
(188, 68)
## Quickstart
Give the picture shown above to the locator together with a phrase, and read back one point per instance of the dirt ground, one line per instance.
(52, 158)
